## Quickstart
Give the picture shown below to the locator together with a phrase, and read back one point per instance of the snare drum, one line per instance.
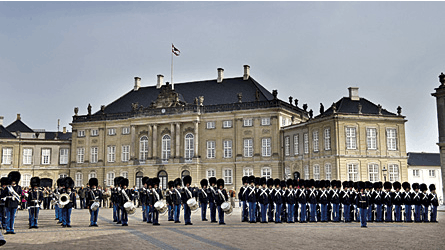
(226, 207)
(161, 207)
(193, 205)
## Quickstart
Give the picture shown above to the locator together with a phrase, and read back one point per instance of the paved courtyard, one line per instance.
(234, 235)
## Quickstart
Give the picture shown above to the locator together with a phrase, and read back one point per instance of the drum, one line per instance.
(161, 207)
(193, 205)
(226, 208)
(95, 206)
(129, 207)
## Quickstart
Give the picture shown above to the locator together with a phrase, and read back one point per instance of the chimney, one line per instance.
(1, 120)
(160, 81)
(246, 72)
(137, 83)
(220, 75)
(353, 94)
(18, 117)
(64, 130)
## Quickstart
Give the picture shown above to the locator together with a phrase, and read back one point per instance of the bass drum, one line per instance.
(130, 207)
(161, 207)
(193, 205)
(227, 208)
(95, 206)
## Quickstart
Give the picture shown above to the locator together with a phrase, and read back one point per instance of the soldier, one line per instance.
(312, 199)
(407, 201)
(278, 200)
(186, 195)
(302, 200)
(93, 195)
(425, 202)
(156, 196)
(203, 199)
(369, 193)
(258, 208)
(397, 200)
(387, 201)
(296, 204)
(220, 199)
(263, 199)
(352, 195)
(416, 199)
(66, 210)
(335, 200)
(271, 206)
(362, 203)
(346, 201)
(126, 197)
(323, 199)
(119, 199)
(329, 206)
(34, 200)
(114, 194)
(169, 199)
(251, 198)
(432, 198)
(12, 199)
(241, 198)
(289, 197)
(143, 198)
(212, 205)
(5, 183)
(177, 200)
(149, 201)
(378, 201)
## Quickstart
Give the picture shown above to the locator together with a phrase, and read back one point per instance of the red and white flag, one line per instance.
(175, 50)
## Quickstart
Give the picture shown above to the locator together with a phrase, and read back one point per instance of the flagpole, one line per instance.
(171, 75)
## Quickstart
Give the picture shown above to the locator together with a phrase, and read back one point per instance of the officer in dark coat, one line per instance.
(278, 200)
(156, 196)
(93, 195)
(296, 204)
(263, 199)
(4, 182)
(302, 200)
(66, 210)
(323, 200)
(258, 207)
(34, 200)
(251, 198)
(241, 198)
(346, 201)
(212, 205)
(186, 195)
(289, 196)
(387, 201)
(434, 203)
(378, 201)
(12, 200)
(397, 201)
(369, 192)
(312, 200)
(126, 197)
(417, 202)
(362, 203)
(203, 198)
(149, 201)
(143, 198)
(271, 206)
(425, 202)
(114, 199)
(220, 198)
(169, 199)
(177, 200)
(407, 201)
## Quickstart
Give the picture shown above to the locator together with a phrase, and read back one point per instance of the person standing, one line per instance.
(4, 183)
(407, 201)
(251, 199)
(149, 201)
(143, 198)
(66, 210)
(34, 200)
(12, 200)
(169, 199)
(220, 199)
(312, 198)
(417, 201)
(387, 201)
(346, 202)
(157, 196)
(81, 193)
(203, 199)
(186, 195)
(271, 205)
(263, 199)
(302, 200)
(362, 203)
(57, 192)
(126, 197)
(397, 201)
(432, 198)
(335, 200)
(278, 200)
(177, 200)
(425, 202)
(323, 199)
(289, 196)
(369, 193)
(212, 188)
(93, 195)
(378, 201)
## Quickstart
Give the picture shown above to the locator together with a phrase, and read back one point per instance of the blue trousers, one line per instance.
(82, 203)
(220, 215)
(66, 216)
(204, 211)
(408, 217)
(369, 213)
(124, 216)
(346, 212)
(252, 211)
(93, 216)
(212, 206)
(398, 213)
(324, 212)
(270, 212)
(388, 215)
(10, 218)
(278, 212)
(433, 213)
(244, 212)
(425, 214)
(264, 212)
(33, 215)
(187, 214)
(2, 216)
(378, 212)
(149, 214)
(363, 213)
(417, 213)
(58, 211)
(155, 215)
(296, 212)
(144, 214)
(302, 212)
(177, 212)
(170, 212)
(283, 212)
(115, 213)
(313, 211)
(290, 212)
(335, 212)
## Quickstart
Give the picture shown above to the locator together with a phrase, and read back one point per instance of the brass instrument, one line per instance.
(64, 199)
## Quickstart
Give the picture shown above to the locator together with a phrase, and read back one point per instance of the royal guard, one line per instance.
(284, 202)
(203, 198)
(345, 201)
(177, 200)
(369, 193)
(114, 199)
(157, 196)
(11, 194)
(434, 203)
(334, 195)
(271, 206)
(258, 207)
(289, 197)
(241, 198)
(149, 202)
(302, 200)
(263, 199)
(251, 198)
(68, 183)
(57, 192)
(119, 198)
(93, 196)
(126, 197)
(4, 182)
(278, 200)
(378, 201)
(407, 201)
(323, 200)
(212, 205)
(34, 200)
(143, 198)
(353, 186)
(169, 199)
(362, 203)
(387, 201)
(397, 201)
(186, 195)
(312, 200)
(296, 185)
(220, 199)
(417, 202)
(424, 201)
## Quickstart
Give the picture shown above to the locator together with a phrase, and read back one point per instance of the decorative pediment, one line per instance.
(185, 168)
(168, 98)
(161, 168)
(165, 131)
(189, 130)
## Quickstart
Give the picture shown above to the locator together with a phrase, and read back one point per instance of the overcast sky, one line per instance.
(55, 56)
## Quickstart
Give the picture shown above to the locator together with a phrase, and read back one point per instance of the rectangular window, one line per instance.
(351, 138)
(416, 173)
(80, 155)
(210, 149)
(64, 156)
(247, 171)
(211, 173)
(81, 133)
(391, 138)
(373, 170)
(353, 172)
(125, 153)
(79, 179)
(393, 172)
(265, 142)
(306, 143)
(111, 131)
(316, 172)
(6, 155)
(328, 171)
(265, 121)
(248, 147)
(26, 179)
(306, 172)
(266, 172)
(432, 173)
(125, 130)
(287, 145)
(283, 122)
(94, 132)
(315, 139)
(296, 145)
(327, 139)
(46, 156)
(110, 178)
(227, 176)
(111, 153)
(94, 151)
(227, 124)
(371, 138)
(27, 156)
(228, 149)
(210, 125)
(248, 122)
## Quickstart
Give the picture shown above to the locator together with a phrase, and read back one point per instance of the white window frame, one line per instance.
(248, 122)
(327, 139)
(315, 140)
(25, 180)
(373, 172)
(125, 153)
(306, 172)
(126, 130)
(81, 133)
(353, 174)
(64, 156)
(265, 121)
(166, 147)
(92, 174)
(124, 174)
(46, 156)
(391, 139)
(393, 171)
(227, 124)
(306, 143)
(432, 173)
(112, 131)
(211, 172)
(266, 172)
(63, 175)
(211, 149)
(27, 156)
(111, 153)
(189, 149)
(228, 176)
(371, 138)
(416, 173)
(296, 144)
(316, 172)
(248, 147)
(94, 154)
(80, 155)
(143, 148)
(227, 146)
(287, 145)
(7, 156)
(110, 178)
(79, 179)
(211, 125)
(247, 171)
(351, 137)
(94, 132)
(328, 171)
(266, 147)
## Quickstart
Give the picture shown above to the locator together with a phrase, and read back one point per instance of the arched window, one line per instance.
(185, 173)
(210, 173)
(316, 172)
(189, 142)
(247, 171)
(166, 147)
(328, 171)
(163, 178)
(92, 174)
(266, 172)
(143, 148)
(139, 176)
(79, 179)
(124, 174)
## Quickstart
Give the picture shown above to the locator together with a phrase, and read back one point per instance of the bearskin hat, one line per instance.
(269, 182)
(14, 176)
(156, 181)
(220, 182)
(311, 183)
(145, 179)
(289, 182)
(397, 185)
(5, 181)
(350, 184)
(116, 181)
(415, 185)
(119, 180)
(251, 179)
(124, 182)
(93, 182)
(150, 182)
(296, 183)
(178, 181)
(69, 182)
(276, 182)
(263, 181)
(334, 183)
(345, 184)
(257, 181)
(35, 182)
(360, 185)
(432, 187)
(327, 183)
(171, 184)
(187, 180)
(212, 180)
(302, 183)
(406, 185)
(423, 187)
(368, 184)
(204, 183)
(317, 184)
(387, 185)
(46, 182)
(245, 179)
(283, 183)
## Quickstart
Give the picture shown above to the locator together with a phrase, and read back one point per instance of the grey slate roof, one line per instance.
(60, 135)
(423, 159)
(5, 134)
(18, 125)
(214, 93)
(348, 106)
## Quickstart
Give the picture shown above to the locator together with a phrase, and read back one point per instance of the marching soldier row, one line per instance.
(308, 200)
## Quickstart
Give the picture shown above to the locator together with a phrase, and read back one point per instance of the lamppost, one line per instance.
(384, 173)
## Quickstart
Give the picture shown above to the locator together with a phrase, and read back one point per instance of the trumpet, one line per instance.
(64, 199)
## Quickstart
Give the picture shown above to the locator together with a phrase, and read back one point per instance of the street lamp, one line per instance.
(384, 172)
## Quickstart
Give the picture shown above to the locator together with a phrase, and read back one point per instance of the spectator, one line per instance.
(24, 196)
(106, 197)
(232, 195)
(82, 191)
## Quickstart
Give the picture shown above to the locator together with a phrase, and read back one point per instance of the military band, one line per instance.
(34, 200)
(93, 197)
